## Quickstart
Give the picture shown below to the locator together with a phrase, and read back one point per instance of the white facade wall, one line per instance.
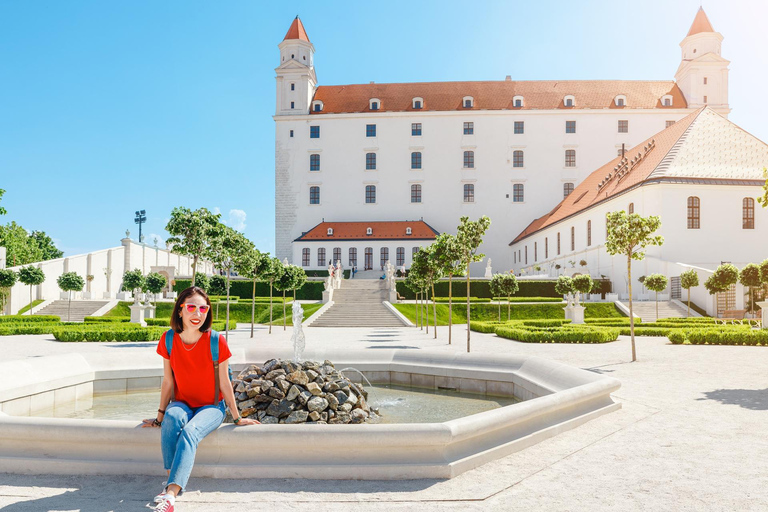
(343, 144)
(375, 245)
(719, 239)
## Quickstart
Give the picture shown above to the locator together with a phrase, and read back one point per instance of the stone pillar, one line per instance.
(149, 311)
(577, 314)
(137, 314)
(108, 276)
(88, 272)
(126, 254)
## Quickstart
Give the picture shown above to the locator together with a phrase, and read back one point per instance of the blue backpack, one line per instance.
(214, 356)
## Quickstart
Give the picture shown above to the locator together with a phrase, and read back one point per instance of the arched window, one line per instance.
(468, 102)
(400, 261)
(314, 162)
(535, 251)
(569, 101)
(558, 244)
(352, 256)
(573, 238)
(620, 100)
(694, 207)
(631, 208)
(370, 161)
(518, 158)
(305, 257)
(374, 104)
(370, 194)
(314, 195)
(589, 232)
(567, 189)
(469, 159)
(748, 213)
(317, 106)
(415, 194)
(416, 160)
(418, 103)
(368, 263)
(414, 250)
(546, 248)
(336, 254)
(570, 158)
(384, 256)
(321, 257)
(518, 101)
(666, 100)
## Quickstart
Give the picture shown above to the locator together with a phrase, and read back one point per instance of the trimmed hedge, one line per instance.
(243, 288)
(481, 289)
(26, 319)
(14, 329)
(128, 332)
(105, 319)
(503, 300)
(720, 336)
(462, 299)
(563, 334)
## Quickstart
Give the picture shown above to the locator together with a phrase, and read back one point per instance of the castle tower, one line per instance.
(703, 73)
(296, 80)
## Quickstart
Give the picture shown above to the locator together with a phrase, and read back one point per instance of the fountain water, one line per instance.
(298, 335)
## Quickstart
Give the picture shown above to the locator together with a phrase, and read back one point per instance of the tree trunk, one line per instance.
(30, 300)
(509, 307)
(194, 269)
(631, 316)
(657, 306)
(253, 306)
(270, 307)
(450, 306)
(226, 326)
(434, 308)
(426, 303)
(689, 302)
(418, 311)
(69, 305)
(468, 305)
(284, 320)
(499, 309)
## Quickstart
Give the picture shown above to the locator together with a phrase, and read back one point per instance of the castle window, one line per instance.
(748, 213)
(469, 159)
(408, 231)
(518, 193)
(623, 126)
(416, 160)
(292, 105)
(414, 250)
(569, 101)
(573, 238)
(570, 158)
(546, 248)
(370, 130)
(469, 193)
(517, 101)
(519, 127)
(558, 244)
(694, 212)
(400, 261)
(666, 100)
(293, 86)
(305, 257)
(705, 80)
(370, 161)
(468, 102)
(517, 158)
(368, 231)
(370, 194)
(667, 124)
(317, 106)
(384, 256)
(705, 99)
(469, 128)
(321, 257)
(416, 129)
(352, 256)
(374, 104)
(526, 254)
(314, 132)
(418, 103)
(570, 127)
(291, 133)
(336, 254)
(631, 208)
(415, 198)
(330, 232)
(314, 195)
(567, 189)
(535, 251)
(620, 100)
(589, 232)
(314, 162)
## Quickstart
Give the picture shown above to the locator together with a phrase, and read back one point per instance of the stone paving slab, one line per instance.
(690, 436)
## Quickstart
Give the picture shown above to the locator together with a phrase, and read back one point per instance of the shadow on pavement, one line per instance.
(755, 399)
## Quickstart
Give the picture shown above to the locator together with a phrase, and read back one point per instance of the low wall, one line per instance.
(557, 397)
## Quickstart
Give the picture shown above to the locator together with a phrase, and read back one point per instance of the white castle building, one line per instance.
(437, 151)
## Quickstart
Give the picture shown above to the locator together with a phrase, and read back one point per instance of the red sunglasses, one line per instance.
(191, 308)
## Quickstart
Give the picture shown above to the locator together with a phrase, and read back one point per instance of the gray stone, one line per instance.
(262, 398)
(304, 396)
(351, 398)
(345, 407)
(310, 365)
(314, 388)
(333, 402)
(358, 416)
(267, 420)
(269, 365)
(341, 396)
(252, 392)
(276, 393)
(246, 404)
(298, 377)
(317, 404)
(324, 416)
(266, 385)
(314, 416)
(331, 387)
(312, 374)
(289, 366)
(281, 408)
(319, 381)
(293, 392)
(297, 417)
(239, 386)
(284, 385)
(242, 396)
(275, 373)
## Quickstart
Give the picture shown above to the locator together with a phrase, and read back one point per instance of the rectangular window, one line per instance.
(535, 251)
(370, 161)
(517, 159)
(314, 195)
(705, 80)
(370, 194)
(469, 193)
(416, 160)
(514, 257)
(519, 127)
(469, 128)
(518, 193)
(558, 244)
(748, 213)
(292, 104)
(305, 257)
(336, 254)
(370, 130)
(546, 248)
(414, 250)
(416, 129)
(384, 256)
(570, 127)
(667, 124)
(567, 189)
(623, 126)
(416, 193)
(570, 158)
(317, 107)
(469, 159)
(573, 238)
(291, 133)
(314, 132)
(705, 99)
(694, 209)
(314, 162)
(374, 105)
(526, 254)
(400, 261)
(293, 86)
(417, 104)
(589, 232)
(352, 257)
(321, 257)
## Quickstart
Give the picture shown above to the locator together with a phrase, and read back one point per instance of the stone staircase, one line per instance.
(80, 309)
(647, 310)
(358, 303)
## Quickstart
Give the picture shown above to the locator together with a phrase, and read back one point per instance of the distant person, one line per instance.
(187, 412)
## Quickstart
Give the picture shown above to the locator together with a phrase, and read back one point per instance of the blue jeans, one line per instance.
(183, 429)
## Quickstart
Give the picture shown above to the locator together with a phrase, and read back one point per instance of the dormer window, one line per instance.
(375, 104)
(368, 231)
(408, 231)
(330, 231)
(569, 101)
(418, 103)
(468, 102)
(518, 101)
(317, 106)
(666, 100)
(620, 100)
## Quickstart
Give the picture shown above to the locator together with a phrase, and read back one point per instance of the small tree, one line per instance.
(582, 284)
(431, 269)
(203, 282)
(448, 255)
(300, 277)
(629, 235)
(689, 279)
(750, 277)
(7, 280)
(70, 282)
(226, 246)
(155, 282)
(414, 283)
(509, 287)
(656, 283)
(192, 233)
(497, 289)
(469, 236)
(564, 285)
(251, 264)
(31, 276)
(219, 287)
(723, 278)
(284, 283)
(133, 281)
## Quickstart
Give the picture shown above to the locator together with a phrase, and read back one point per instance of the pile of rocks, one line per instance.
(308, 392)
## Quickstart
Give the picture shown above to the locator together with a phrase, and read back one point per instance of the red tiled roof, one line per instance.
(588, 194)
(700, 23)
(498, 95)
(347, 231)
(297, 31)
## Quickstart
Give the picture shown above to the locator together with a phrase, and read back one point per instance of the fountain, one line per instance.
(298, 334)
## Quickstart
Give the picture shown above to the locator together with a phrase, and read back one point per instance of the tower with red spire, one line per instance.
(296, 80)
(703, 72)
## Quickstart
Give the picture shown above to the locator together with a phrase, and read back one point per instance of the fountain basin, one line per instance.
(556, 398)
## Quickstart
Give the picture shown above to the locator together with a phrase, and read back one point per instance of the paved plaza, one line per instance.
(690, 436)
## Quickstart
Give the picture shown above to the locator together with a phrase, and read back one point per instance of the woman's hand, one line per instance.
(246, 421)
(151, 423)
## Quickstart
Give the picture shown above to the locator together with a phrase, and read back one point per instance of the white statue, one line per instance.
(328, 283)
(488, 271)
(298, 335)
(389, 272)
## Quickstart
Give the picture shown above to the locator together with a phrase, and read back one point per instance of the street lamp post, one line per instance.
(141, 218)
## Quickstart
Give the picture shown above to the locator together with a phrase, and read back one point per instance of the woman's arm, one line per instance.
(229, 395)
(166, 390)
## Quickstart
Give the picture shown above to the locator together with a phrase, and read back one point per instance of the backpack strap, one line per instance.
(168, 346)
(215, 358)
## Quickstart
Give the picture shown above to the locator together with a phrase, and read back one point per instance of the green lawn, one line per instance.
(26, 308)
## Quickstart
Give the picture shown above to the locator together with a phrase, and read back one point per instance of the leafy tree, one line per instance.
(203, 282)
(689, 279)
(192, 233)
(629, 235)
(469, 236)
(227, 245)
(48, 250)
(299, 279)
(430, 269)
(750, 277)
(19, 251)
(582, 284)
(447, 254)
(3, 211)
(70, 282)
(134, 282)
(31, 276)
(218, 286)
(656, 283)
(271, 272)
(155, 282)
(764, 272)
(415, 283)
(564, 285)
(724, 276)
(251, 264)
(497, 289)
(509, 287)
(7, 280)
(292, 277)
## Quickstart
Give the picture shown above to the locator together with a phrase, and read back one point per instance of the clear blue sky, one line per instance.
(107, 107)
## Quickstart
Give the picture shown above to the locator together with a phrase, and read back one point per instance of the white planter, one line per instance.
(663, 297)
(578, 315)
(595, 297)
(87, 295)
(644, 296)
(170, 295)
(124, 296)
(612, 297)
(106, 295)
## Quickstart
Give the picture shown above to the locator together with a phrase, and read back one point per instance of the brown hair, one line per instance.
(176, 323)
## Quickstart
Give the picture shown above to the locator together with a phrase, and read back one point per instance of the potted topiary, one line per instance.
(643, 295)
(564, 287)
(596, 293)
(87, 293)
(582, 284)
